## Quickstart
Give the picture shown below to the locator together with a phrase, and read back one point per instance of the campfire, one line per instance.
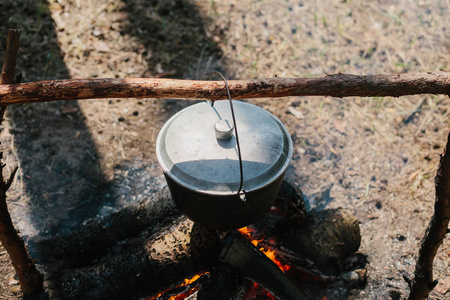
(152, 251)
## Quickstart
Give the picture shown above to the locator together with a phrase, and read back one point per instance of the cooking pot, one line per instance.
(210, 182)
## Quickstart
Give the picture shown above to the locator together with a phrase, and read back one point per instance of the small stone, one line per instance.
(355, 277)
(301, 150)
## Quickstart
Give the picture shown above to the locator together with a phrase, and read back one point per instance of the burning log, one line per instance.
(150, 261)
(245, 258)
(320, 245)
(223, 284)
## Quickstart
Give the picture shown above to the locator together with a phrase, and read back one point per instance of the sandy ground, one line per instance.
(376, 156)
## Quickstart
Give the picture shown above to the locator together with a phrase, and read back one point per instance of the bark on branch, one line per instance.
(338, 85)
(423, 282)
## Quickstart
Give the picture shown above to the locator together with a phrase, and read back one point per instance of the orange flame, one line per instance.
(187, 292)
(269, 253)
(192, 279)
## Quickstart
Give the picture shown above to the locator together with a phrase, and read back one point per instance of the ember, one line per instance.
(270, 253)
(255, 291)
(184, 290)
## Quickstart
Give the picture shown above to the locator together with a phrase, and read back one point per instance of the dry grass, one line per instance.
(380, 154)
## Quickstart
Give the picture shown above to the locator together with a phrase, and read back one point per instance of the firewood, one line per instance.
(319, 245)
(93, 240)
(155, 259)
(158, 262)
(223, 285)
(245, 258)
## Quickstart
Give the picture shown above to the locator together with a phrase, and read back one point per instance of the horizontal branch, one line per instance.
(338, 85)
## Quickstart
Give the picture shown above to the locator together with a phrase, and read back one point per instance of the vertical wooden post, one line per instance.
(423, 282)
(29, 276)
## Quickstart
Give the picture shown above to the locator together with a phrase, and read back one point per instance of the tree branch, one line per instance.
(423, 282)
(339, 85)
(9, 65)
(29, 276)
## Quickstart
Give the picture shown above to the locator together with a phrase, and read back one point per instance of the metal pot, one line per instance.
(197, 151)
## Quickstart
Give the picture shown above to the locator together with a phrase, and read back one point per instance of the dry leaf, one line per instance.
(296, 113)
(332, 150)
(69, 110)
(413, 175)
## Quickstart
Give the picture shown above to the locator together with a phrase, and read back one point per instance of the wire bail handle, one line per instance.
(241, 193)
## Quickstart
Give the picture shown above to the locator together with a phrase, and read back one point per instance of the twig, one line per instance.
(339, 85)
(423, 282)
(29, 276)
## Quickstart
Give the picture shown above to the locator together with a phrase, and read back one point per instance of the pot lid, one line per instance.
(197, 147)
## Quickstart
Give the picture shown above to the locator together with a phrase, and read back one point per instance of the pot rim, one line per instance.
(269, 180)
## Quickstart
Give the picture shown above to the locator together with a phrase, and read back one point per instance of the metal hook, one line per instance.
(241, 193)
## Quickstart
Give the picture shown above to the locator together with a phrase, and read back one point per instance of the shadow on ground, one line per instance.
(58, 158)
(59, 162)
(174, 34)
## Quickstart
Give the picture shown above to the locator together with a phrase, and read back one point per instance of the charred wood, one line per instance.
(321, 243)
(96, 238)
(160, 258)
(224, 284)
(251, 263)
(159, 262)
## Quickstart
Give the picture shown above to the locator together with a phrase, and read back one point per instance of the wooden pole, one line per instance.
(9, 65)
(423, 282)
(29, 276)
(338, 85)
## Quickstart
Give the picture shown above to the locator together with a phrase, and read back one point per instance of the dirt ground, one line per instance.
(376, 156)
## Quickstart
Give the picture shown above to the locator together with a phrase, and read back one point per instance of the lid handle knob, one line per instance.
(224, 130)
